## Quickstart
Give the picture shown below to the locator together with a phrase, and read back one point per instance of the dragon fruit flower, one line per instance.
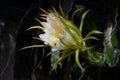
(59, 33)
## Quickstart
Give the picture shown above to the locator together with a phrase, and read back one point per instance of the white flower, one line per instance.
(56, 35)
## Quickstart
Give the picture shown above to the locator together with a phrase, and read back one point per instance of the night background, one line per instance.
(32, 64)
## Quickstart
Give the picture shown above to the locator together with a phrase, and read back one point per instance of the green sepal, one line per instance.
(96, 58)
(64, 54)
(33, 46)
(77, 52)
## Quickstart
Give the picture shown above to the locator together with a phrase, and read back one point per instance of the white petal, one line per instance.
(44, 24)
(44, 38)
(50, 17)
(55, 24)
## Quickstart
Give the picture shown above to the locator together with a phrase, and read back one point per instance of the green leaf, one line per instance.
(114, 40)
(111, 57)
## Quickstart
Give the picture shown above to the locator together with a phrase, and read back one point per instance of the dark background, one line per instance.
(17, 15)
